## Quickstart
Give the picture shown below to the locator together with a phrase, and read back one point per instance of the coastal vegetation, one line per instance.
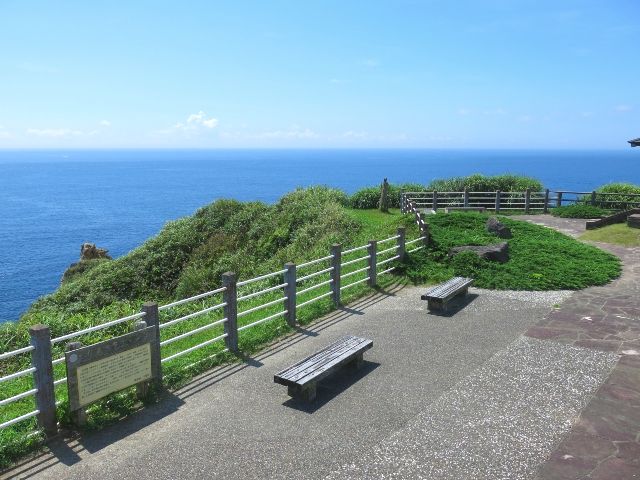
(580, 210)
(368, 197)
(188, 257)
(622, 193)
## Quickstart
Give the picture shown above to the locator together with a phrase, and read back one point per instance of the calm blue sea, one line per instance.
(52, 201)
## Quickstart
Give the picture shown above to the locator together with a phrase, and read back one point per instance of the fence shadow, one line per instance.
(67, 450)
(313, 329)
(331, 387)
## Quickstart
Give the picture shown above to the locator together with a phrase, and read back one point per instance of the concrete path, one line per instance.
(605, 442)
(458, 396)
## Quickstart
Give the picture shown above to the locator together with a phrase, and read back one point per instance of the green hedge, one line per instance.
(622, 191)
(368, 197)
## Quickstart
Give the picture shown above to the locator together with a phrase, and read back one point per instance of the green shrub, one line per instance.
(482, 183)
(624, 193)
(368, 197)
(579, 210)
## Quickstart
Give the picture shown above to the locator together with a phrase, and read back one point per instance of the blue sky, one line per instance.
(429, 74)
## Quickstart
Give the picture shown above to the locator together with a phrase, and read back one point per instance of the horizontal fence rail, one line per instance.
(210, 319)
(526, 201)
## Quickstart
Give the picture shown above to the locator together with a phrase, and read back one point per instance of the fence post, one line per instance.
(43, 378)
(466, 198)
(434, 202)
(336, 251)
(559, 200)
(527, 200)
(152, 319)
(79, 417)
(290, 293)
(230, 298)
(546, 201)
(402, 232)
(401, 202)
(372, 271)
(498, 193)
(593, 198)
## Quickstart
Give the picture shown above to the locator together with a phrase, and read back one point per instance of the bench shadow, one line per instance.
(455, 305)
(332, 386)
(66, 450)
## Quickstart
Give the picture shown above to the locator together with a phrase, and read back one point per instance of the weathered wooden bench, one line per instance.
(438, 296)
(303, 377)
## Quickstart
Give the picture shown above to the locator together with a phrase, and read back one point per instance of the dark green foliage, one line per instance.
(541, 258)
(482, 183)
(579, 210)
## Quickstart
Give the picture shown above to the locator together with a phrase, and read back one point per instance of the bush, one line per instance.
(368, 197)
(579, 210)
(624, 193)
(482, 183)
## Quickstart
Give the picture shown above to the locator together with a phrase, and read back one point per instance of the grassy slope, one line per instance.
(189, 255)
(250, 238)
(618, 233)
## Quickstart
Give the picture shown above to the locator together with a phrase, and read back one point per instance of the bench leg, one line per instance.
(436, 305)
(357, 362)
(308, 394)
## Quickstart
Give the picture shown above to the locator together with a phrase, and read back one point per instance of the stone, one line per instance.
(633, 220)
(498, 252)
(89, 251)
(498, 228)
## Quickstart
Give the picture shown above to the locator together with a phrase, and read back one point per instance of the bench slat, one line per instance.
(312, 364)
(345, 342)
(320, 364)
(330, 363)
(444, 290)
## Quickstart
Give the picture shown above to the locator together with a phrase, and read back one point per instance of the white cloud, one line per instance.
(623, 108)
(4, 133)
(195, 122)
(105, 123)
(464, 111)
(54, 132)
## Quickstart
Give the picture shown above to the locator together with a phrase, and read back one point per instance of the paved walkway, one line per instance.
(605, 441)
(467, 395)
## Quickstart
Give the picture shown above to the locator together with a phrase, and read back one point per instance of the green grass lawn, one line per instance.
(541, 258)
(618, 233)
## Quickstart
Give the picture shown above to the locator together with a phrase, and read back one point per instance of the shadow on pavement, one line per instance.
(66, 450)
(331, 387)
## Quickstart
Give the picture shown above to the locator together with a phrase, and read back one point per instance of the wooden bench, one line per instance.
(439, 296)
(303, 377)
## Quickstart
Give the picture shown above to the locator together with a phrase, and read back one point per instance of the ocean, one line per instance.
(51, 201)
